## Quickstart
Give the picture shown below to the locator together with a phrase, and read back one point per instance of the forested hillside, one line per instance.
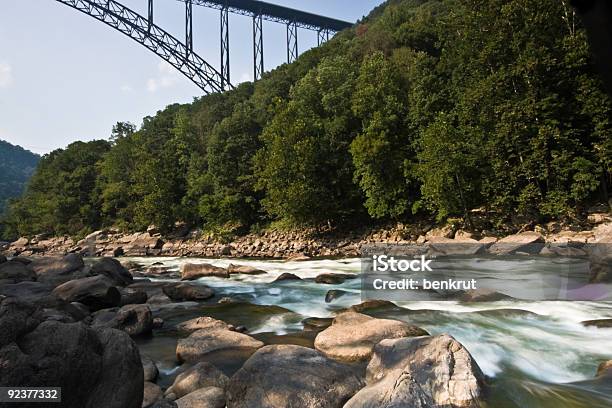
(425, 109)
(16, 167)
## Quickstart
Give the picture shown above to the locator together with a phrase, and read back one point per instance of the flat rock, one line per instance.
(528, 242)
(421, 372)
(201, 375)
(282, 376)
(57, 270)
(209, 397)
(352, 336)
(202, 323)
(206, 341)
(197, 271)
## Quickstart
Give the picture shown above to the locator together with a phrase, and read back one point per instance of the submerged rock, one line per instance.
(208, 397)
(199, 376)
(197, 271)
(422, 372)
(282, 376)
(352, 336)
(600, 323)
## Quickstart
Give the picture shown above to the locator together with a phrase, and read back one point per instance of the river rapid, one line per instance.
(534, 353)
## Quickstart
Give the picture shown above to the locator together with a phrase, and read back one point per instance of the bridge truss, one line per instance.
(182, 56)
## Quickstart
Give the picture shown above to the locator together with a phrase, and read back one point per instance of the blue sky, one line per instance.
(65, 76)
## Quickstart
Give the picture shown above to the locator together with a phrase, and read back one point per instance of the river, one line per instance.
(534, 353)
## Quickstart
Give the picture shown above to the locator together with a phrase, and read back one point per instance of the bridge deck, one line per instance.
(277, 13)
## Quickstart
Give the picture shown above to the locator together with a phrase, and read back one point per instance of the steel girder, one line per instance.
(153, 37)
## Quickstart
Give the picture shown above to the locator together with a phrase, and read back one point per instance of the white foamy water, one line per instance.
(544, 340)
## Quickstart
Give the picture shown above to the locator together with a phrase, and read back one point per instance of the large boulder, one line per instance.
(113, 270)
(135, 320)
(96, 292)
(208, 397)
(281, 376)
(199, 376)
(15, 272)
(196, 271)
(422, 372)
(36, 292)
(130, 296)
(94, 367)
(142, 245)
(352, 336)
(529, 242)
(182, 292)
(57, 270)
(203, 342)
(245, 270)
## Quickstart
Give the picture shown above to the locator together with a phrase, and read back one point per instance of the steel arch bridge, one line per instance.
(181, 54)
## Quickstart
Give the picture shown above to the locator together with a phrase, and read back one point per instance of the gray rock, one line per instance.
(57, 270)
(199, 376)
(287, 277)
(282, 376)
(113, 270)
(36, 292)
(334, 294)
(182, 292)
(421, 372)
(527, 242)
(149, 368)
(483, 295)
(135, 320)
(352, 336)
(131, 296)
(15, 272)
(334, 278)
(96, 292)
(197, 271)
(202, 323)
(209, 397)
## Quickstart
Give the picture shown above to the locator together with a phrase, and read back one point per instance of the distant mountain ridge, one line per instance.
(16, 167)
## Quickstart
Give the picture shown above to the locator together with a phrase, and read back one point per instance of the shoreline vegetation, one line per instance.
(491, 112)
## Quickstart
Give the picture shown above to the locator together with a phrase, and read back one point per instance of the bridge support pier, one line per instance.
(292, 42)
(188, 27)
(225, 44)
(258, 56)
(322, 36)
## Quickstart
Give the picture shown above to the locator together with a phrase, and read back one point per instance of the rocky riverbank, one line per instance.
(308, 244)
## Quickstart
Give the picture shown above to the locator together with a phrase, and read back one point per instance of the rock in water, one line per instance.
(245, 270)
(201, 323)
(199, 376)
(181, 292)
(135, 320)
(149, 369)
(334, 278)
(422, 372)
(196, 271)
(283, 376)
(352, 336)
(208, 397)
(206, 341)
(334, 294)
(529, 242)
(113, 270)
(287, 277)
(96, 292)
